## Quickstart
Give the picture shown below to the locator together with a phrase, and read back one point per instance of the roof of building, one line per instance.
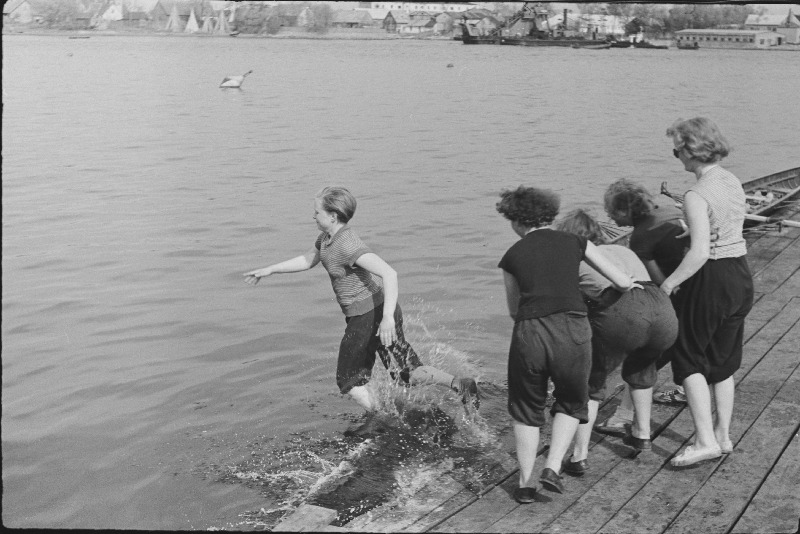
(400, 16)
(12, 5)
(376, 14)
(475, 14)
(422, 23)
(725, 32)
(772, 20)
(351, 17)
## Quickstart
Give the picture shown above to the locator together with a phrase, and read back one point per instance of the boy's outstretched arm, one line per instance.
(294, 265)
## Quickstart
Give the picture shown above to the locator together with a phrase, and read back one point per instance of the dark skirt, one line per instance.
(711, 308)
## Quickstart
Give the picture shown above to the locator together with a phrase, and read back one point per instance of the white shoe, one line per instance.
(692, 455)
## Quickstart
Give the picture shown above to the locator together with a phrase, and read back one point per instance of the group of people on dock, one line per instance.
(581, 308)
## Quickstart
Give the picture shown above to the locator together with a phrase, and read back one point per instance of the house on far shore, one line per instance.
(742, 39)
(351, 19)
(20, 12)
(377, 15)
(789, 25)
(395, 21)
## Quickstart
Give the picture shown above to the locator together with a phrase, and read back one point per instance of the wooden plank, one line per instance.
(394, 517)
(499, 474)
(776, 507)
(629, 481)
(483, 512)
(779, 269)
(763, 250)
(727, 493)
(663, 497)
(603, 458)
(497, 502)
(307, 518)
(785, 315)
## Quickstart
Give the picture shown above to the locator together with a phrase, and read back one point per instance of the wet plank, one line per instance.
(774, 509)
(307, 518)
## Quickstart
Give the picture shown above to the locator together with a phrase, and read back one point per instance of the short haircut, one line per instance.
(580, 223)
(628, 197)
(529, 206)
(338, 200)
(701, 138)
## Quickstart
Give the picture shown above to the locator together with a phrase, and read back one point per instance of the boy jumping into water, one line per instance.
(366, 288)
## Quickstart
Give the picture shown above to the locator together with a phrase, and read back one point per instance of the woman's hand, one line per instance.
(254, 276)
(387, 331)
(668, 289)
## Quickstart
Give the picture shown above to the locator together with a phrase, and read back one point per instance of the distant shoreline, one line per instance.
(333, 34)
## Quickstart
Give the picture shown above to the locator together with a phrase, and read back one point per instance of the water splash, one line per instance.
(417, 435)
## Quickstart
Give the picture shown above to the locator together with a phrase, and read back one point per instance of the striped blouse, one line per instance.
(357, 290)
(727, 207)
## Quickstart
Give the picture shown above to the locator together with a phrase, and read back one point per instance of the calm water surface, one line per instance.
(146, 386)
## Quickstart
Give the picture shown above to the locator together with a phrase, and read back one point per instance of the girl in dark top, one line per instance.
(656, 240)
(551, 332)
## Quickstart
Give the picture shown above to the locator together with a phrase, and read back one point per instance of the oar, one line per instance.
(749, 217)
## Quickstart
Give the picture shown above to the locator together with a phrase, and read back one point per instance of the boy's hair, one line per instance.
(628, 197)
(529, 206)
(701, 138)
(580, 223)
(338, 200)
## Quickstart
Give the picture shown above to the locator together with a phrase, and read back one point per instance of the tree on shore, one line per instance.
(58, 14)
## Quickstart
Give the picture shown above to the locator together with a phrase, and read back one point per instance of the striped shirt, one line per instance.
(357, 290)
(727, 207)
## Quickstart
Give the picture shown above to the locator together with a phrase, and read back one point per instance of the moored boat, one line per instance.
(764, 195)
(645, 44)
(767, 194)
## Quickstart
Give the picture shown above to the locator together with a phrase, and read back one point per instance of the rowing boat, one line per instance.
(764, 195)
(615, 235)
(769, 193)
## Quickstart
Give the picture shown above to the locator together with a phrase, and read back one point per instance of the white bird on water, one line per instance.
(234, 81)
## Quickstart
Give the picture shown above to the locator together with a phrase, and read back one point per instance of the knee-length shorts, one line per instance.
(711, 308)
(634, 331)
(555, 347)
(361, 343)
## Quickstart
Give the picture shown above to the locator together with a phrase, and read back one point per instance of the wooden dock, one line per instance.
(755, 489)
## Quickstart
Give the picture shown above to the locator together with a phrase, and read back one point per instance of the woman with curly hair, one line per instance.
(712, 286)
(551, 333)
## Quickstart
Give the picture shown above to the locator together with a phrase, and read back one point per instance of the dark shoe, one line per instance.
(574, 468)
(524, 495)
(640, 444)
(467, 388)
(612, 426)
(551, 480)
